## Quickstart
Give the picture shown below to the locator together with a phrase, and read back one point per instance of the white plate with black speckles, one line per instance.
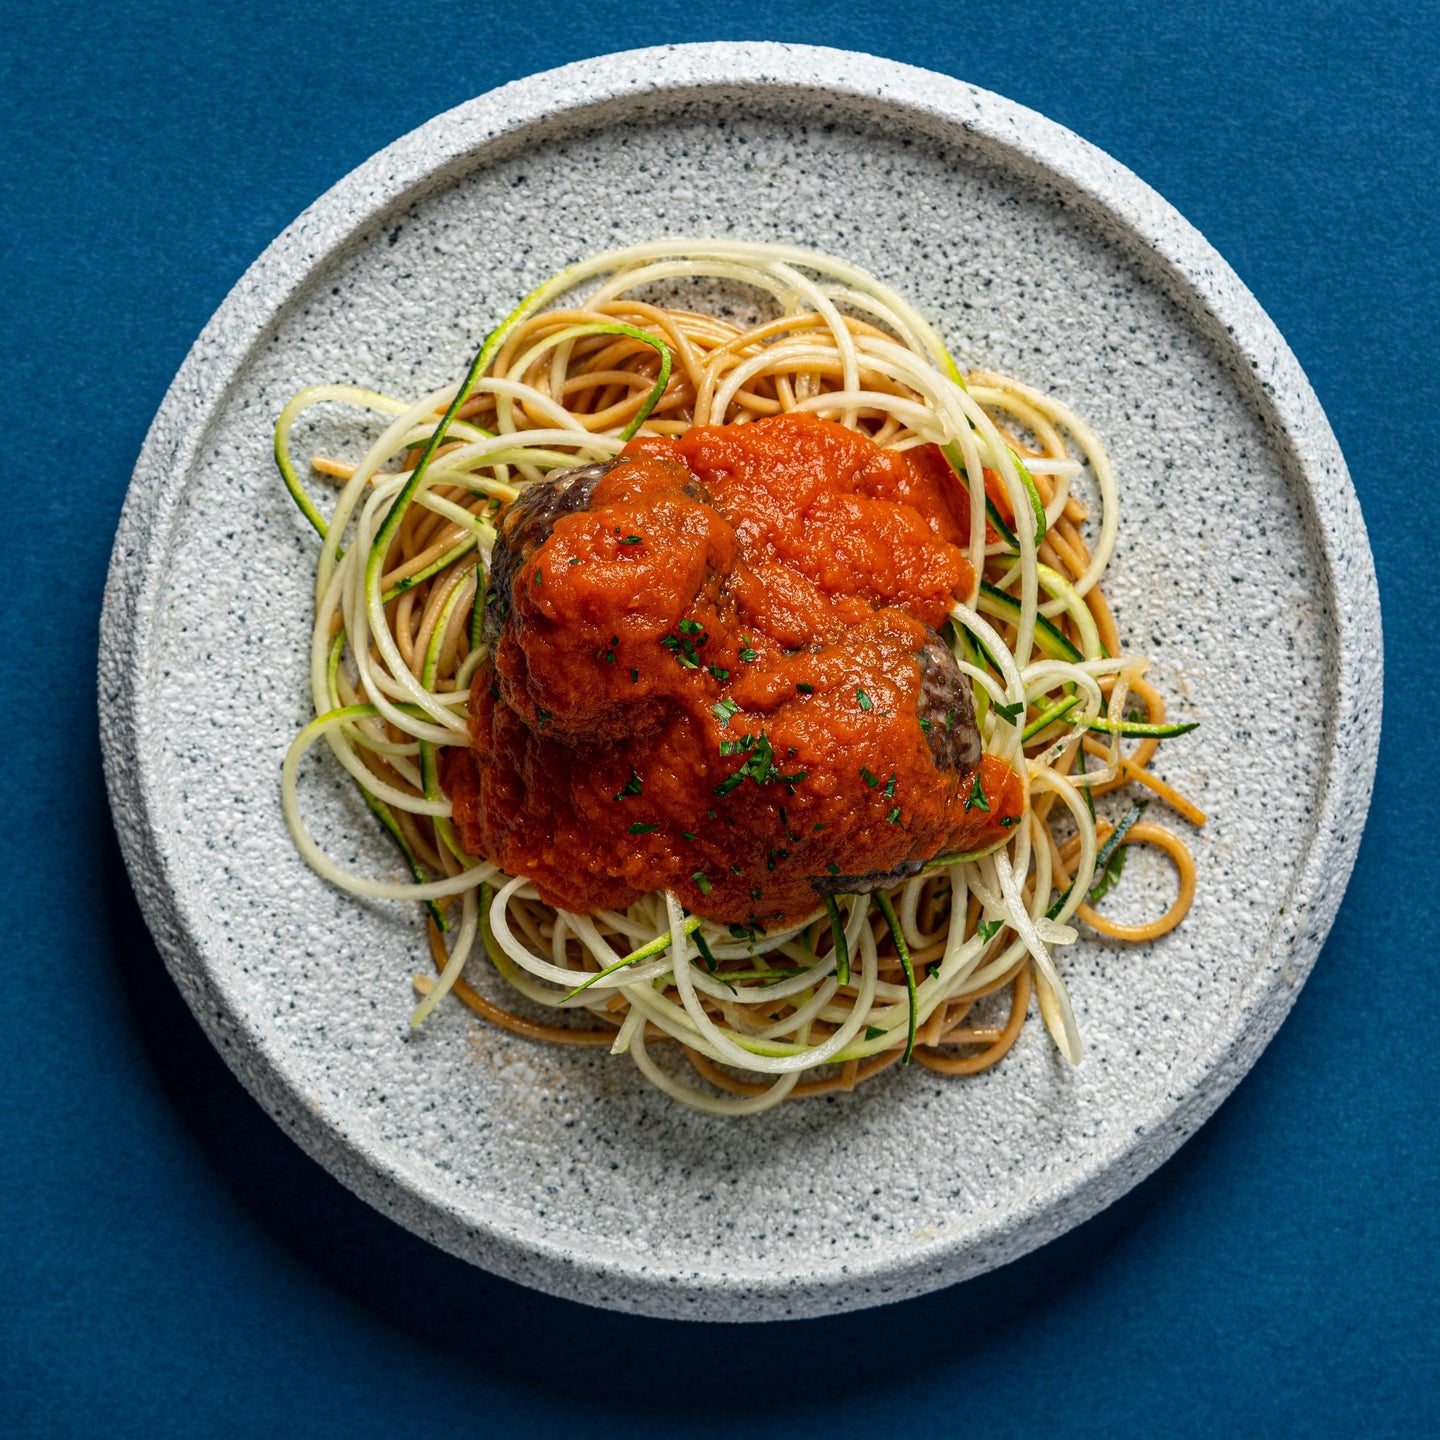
(1240, 537)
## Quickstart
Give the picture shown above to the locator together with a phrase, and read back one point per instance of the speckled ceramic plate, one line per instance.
(1242, 568)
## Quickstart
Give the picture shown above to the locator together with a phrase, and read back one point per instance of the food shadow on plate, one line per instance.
(479, 1320)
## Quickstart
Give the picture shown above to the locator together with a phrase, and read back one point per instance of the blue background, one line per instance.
(173, 1265)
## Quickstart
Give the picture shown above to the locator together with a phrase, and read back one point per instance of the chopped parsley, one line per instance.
(866, 703)
(640, 828)
(987, 929)
(688, 835)
(833, 868)
(719, 672)
(633, 786)
(924, 724)
(690, 627)
(871, 780)
(746, 653)
(539, 574)
(890, 787)
(805, 689)
(723, 710)
(759, 765)
(631, 540)
(894, 816)
(634, 677)
(1011, 713)
(873, 1032)
(684, 649)
(541, 717)
(976, 799)
(608, 656)
(705, 887)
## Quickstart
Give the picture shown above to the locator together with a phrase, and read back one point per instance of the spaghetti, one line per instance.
(905, 966)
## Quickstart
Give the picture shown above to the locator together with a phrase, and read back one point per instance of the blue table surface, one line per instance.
(174, 1266)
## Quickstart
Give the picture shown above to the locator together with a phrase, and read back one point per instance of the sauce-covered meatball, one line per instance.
(716, 670)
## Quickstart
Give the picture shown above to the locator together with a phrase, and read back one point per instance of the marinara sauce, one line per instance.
(715, 671)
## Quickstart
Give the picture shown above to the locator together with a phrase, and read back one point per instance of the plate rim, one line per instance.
(1197, 277)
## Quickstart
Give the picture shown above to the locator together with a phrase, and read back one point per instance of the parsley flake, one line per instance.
(871, 780)
(633, 786)
(873, 1032)
(976, 799)
(894, 816)
(639, 828)
(890, 787)
(866, 703)
(806, 689)
(701, 882)
(746, 653)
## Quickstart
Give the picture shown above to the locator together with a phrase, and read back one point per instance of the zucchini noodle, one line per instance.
(940, 968)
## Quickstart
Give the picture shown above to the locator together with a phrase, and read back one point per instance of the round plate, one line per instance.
(1242, 568)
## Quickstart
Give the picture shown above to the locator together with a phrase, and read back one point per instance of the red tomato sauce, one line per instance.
(708, 679)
